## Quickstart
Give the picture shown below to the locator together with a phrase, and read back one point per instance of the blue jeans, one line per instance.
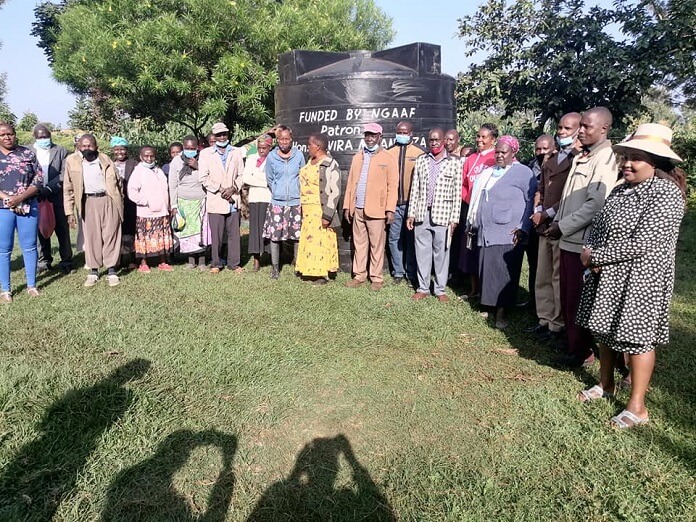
(401, 249)
(27, 228)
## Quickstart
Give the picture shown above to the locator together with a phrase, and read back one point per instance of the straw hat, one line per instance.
(652, 138)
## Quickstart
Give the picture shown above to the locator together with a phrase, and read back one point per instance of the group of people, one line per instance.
(598, 222)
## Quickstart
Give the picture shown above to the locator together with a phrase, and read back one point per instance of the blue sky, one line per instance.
(32, 88)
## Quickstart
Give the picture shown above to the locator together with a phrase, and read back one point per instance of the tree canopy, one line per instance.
(551, 57)
(195, 61)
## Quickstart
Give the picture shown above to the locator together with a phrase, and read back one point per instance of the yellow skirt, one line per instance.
(317, 254)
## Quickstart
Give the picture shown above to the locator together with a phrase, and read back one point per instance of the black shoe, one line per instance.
(397, 280)
(275, 273)
(573, 361)
(536, 329)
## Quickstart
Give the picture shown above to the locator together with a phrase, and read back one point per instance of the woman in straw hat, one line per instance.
(630, 266)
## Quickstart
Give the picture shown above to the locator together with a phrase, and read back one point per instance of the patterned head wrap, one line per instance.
(511, 142)
(118, 141)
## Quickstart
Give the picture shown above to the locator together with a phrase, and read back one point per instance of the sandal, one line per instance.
(594, 393)
(627, 419)
(6, 297)
(238, 270)
(144, 269)
(33, 292)
(215, 270)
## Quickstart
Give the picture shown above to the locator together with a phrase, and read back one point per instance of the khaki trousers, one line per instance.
(548, 284)
(369, 235)
(102, 228)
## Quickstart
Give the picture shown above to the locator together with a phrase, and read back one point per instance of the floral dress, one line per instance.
(317, 254)
(633, 240)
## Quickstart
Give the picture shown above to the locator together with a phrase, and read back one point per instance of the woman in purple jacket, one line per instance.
(501, 204)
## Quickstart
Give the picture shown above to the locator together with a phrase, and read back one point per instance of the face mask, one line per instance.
(148, 165)
(403, 139)
(435, 151)
(43, 143)
(90, 155)
(373, 148)
(190, 154)
(222, 144)
(564, 142)
(540, 158)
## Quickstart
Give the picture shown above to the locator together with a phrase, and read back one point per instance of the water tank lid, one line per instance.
(359, 64)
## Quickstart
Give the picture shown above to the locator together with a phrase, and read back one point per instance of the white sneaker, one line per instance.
(91, 280)
(113, 280)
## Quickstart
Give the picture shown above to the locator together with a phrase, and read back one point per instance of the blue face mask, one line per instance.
(149, 165)
(373, 148)
(222, 144)
(190, 153)
(564, 142)
(43, 143)
(403, 139)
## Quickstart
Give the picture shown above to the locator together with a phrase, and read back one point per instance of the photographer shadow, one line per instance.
(310, 492)
(44, 472)
(146, 491)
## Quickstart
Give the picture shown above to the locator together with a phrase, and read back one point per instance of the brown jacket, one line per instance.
(73, 184)
(214, 177)
(405, 156)
(382, 184)
(551, 183)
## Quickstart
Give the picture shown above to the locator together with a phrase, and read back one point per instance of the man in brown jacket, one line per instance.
(554, 172)
(369, 204)
(92, 187)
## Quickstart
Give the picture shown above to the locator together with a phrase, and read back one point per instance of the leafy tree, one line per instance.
(550, 57)
(664, 33)
(27, 122)
(195, 61)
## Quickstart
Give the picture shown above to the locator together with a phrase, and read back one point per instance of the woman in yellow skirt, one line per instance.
(320, 191)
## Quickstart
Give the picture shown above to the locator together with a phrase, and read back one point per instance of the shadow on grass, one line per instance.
(310, 492)
(44, 472)
(146, 491)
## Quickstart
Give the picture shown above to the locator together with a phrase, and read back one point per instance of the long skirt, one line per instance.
(317, 254)
(153, 237)
(283, 223)
(195, 236)
(468, 257)
(499, 271)
(257, 218)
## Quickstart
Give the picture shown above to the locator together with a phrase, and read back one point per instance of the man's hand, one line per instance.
(452, 228)
(409, 223)
(539, 217)
(72, 221)
(517, 236)
(346, 215)
(390, 217)
(226, 193)
(585, 256)
(325, 223)
(554, 231)
(193, 163)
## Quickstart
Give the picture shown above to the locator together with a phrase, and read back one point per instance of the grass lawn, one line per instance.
(186, 396)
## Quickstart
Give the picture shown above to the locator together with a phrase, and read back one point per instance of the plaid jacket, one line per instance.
(447, 197)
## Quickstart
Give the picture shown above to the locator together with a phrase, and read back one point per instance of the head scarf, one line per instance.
(118, 141)
(511, 142)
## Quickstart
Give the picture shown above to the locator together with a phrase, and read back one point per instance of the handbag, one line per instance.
(179, 220)
(47, 219)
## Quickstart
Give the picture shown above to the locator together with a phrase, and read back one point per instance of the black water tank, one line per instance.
(336, 93)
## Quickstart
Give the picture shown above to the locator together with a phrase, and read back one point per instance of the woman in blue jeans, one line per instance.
(20, 179)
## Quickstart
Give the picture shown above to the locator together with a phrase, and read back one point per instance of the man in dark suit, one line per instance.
(554, 172)
(51, 157)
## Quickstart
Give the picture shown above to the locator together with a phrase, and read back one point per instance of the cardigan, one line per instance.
(506, 206)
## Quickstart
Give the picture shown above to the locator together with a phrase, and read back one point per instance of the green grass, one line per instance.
(188, 396)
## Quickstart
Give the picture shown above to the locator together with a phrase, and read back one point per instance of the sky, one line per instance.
(31, 86)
